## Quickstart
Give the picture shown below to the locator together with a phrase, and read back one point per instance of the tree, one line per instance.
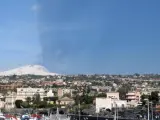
(123, 91)
(28, 100)
(13, 77)
(67, 95)
(113, 89)
(18, 103)
(88, 99)
(42, 104)
(154, 97)
(94, 83)
(136, 74)
(87, 90)
(143, 99)
(59, 102)
(102, 95)
(25, 105)
(45, 99)
(36, 100)
(54, 86)
(77, 99)
(75, 93)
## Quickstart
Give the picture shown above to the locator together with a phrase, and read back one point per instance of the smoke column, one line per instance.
(70, 34)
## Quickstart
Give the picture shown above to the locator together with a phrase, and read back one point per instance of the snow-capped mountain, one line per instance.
(28, 70)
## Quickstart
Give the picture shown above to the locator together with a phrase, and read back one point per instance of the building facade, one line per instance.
(10, 87)
(10, 100)
(113, 95)
(133, 96)
(108, 103)
(65, 101)
(23, 93)
(62, 92)
(50, 93)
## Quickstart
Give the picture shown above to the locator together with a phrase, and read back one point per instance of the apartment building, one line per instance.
(133, 96)
(62, 92)
(149, 90)
(23, 93)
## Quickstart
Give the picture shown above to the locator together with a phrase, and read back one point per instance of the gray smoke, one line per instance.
(66, 31)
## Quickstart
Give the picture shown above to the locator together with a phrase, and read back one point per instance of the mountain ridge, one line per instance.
(28, 70)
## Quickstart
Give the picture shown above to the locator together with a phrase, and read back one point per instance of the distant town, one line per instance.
(92, 93)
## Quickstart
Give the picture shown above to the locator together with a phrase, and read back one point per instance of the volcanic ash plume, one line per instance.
(66, 31)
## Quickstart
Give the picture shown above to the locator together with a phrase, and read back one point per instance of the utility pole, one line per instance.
(152, 109)
(117, 110)
(148, 110)
(115, 114)
(79, 111)
(97, 113)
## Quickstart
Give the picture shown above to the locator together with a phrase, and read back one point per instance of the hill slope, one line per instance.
(28, 70)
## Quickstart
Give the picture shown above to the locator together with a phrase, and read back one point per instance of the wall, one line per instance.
(109, 103)
(113, 95)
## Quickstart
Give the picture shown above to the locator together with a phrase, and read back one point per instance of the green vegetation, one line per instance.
(18, 103)
(123, 90)
(154, 98)
(102, 95)
(36, 102)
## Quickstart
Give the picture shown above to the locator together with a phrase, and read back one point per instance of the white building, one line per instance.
(23, 93)
(113, 95)
(133, 104)
(1, 96)
(50, 93)
(108, 103)
(2, 103)
(10, 100)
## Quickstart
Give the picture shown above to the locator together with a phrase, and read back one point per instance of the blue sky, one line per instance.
(86, 36)
(18, 34)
